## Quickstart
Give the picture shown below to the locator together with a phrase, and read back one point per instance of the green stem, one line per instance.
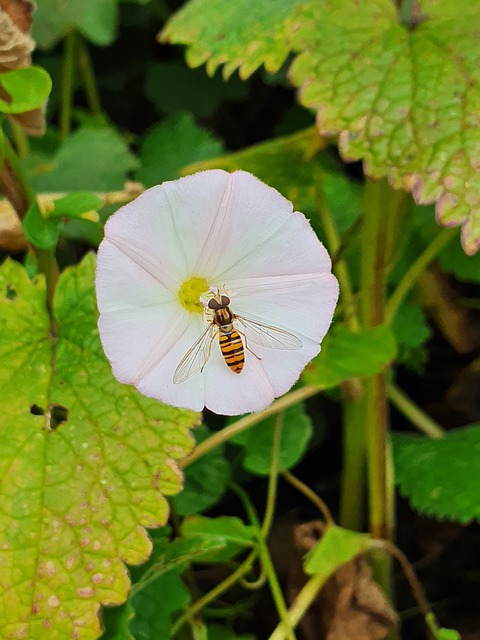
(273, 478)
(380, 203)
(19, 172)
(88, 78)
(352, 483)
(46, 259)
(416, 269)
(301, 605)
(264, 553)
(249, 421)
(67, 84)
(275, 589)
(414, 413)
(310, 495)
(215, 593)
(20, 139)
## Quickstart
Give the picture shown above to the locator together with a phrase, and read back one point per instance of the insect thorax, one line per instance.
(223, 316)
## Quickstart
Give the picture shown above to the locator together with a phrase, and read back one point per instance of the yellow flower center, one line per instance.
(190, 293)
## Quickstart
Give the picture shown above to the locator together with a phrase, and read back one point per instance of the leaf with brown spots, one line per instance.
(85, 462)
(403, 98)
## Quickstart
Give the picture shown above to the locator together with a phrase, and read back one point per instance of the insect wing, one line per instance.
(196, 357)
(268, 336)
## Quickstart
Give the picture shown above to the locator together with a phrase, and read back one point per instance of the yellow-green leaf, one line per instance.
(85, 462)
(240, 35)
(404, 98)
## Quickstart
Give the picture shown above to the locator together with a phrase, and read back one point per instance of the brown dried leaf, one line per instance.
(350, 606)
(11, 232)
(16, 45)
(20, 12)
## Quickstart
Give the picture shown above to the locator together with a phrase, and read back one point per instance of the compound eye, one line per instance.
(225, 301)
(214, 304)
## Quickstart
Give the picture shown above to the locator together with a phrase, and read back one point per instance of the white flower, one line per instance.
(164, 250)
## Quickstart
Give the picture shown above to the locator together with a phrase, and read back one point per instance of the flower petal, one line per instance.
(220, 216)
(158, 382)
(229, 393)
(144, 230)
(135, 313)
(295, 292)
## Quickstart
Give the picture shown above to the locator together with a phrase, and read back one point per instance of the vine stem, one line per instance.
(414, 413)
(310, 495)
(416, 269)
(215, 593)
(249, 421)
(67, 84)
(88, 78)
(264, 553)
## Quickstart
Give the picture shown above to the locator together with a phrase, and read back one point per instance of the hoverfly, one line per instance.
(230, 330)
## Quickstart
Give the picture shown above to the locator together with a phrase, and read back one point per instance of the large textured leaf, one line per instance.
(405, 100)
(96, 19)
(240, 34)
(79, 483)
(440, 477)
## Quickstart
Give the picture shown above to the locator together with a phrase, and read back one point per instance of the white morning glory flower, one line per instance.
(182, 244)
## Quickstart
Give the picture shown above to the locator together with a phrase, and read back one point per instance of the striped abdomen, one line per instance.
(231, 346)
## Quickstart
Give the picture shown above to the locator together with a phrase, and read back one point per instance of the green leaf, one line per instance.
(76, 205)
(405, 100)
(54, 19)
(240, 34)
(236, 535)
(205, 480)
(183, 551)
(257, 443)
(85, 461)
(28, 88)
(116, 621)
(189, 89)
(439, 633)
(411, 333)
(336, 547)
(155, 605)
(290, 164)
(171, 145)
(440, 477)
(217, 632)
(88, 160)
(42, 233)
(346, 355)
(465, 268)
